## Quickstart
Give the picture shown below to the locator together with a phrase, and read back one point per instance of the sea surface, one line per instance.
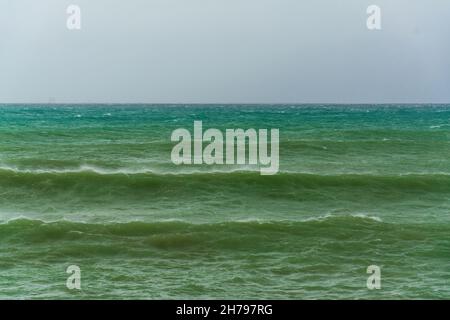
(94, 186)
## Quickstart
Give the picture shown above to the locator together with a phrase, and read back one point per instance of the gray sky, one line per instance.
(225, 51)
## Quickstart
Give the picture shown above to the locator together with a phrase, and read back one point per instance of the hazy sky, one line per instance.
(224, 51)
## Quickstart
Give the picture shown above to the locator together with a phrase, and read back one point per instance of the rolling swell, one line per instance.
(91, 179)
(349, 239)
(227, 234)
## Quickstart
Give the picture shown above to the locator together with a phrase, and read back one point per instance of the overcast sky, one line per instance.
(225, 51)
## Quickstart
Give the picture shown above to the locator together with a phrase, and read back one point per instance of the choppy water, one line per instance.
(94, 186)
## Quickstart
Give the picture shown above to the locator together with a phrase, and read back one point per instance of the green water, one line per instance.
(94, 186)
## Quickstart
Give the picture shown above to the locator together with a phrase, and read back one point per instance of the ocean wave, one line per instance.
(114, 238)
(23, 219)
(84, 184)
(124, 171)
(39, 230)
(243, 169)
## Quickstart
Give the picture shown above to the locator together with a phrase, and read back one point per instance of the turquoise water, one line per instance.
(94, 186)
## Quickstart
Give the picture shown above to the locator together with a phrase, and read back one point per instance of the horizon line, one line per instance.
(225, 103)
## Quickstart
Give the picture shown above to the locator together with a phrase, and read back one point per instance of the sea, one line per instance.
(93, 186)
